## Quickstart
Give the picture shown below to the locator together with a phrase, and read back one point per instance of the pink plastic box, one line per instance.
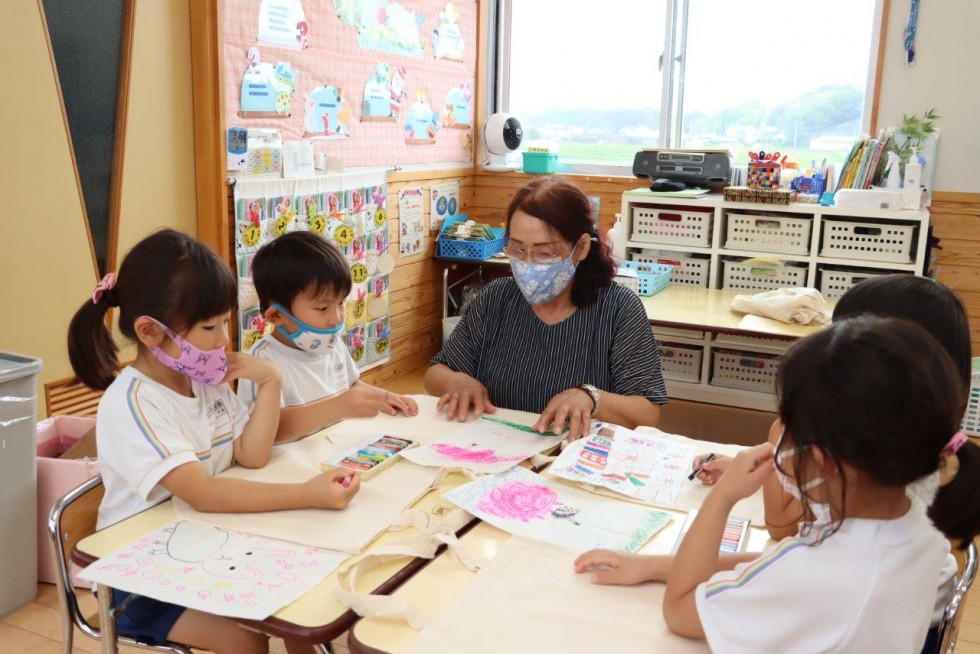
(55, 477)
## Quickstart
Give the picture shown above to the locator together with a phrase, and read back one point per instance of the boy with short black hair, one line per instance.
(302, 281)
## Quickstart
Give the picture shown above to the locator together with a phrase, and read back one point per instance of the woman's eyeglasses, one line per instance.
(536, 256)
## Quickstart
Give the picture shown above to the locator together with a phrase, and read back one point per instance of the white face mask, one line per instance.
(819, 510)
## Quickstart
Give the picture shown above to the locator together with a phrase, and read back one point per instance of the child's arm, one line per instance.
(254, 447)
(697, 558)
(359, 401)
(783, 511)
(191, 482)
(622, 569)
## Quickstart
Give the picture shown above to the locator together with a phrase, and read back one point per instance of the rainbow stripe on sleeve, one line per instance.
(132, 399)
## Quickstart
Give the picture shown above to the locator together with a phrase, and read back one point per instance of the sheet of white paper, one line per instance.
(297, 159)
(529, 505)
(484, 445)
(638, 465)
(218, 571)
(375, 507)
(558, 612)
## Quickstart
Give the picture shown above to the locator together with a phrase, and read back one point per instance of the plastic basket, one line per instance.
(680, 362)
(689, 269)
(453, 249)
(768, 233)
(751, 371)
(679, 226)
(835, 282)
(653, 277)
(743, 276)
(971, 419)
(873, 241)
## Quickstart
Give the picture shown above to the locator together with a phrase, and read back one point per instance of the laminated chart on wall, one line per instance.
(349, 209)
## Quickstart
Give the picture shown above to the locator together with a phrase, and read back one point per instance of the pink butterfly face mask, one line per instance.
(203, 366)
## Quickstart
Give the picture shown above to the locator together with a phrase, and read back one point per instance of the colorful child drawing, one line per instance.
(457, 453)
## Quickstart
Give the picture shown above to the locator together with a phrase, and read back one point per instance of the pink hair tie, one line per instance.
(105, 284)
(955, 443)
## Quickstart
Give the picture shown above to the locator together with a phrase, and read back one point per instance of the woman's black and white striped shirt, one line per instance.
(524, 362)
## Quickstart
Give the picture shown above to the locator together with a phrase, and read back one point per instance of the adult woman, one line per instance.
(559, 338)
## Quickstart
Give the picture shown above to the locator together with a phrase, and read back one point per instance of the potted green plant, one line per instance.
(916, 130)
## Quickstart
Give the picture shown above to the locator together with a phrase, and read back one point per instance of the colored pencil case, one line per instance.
(369, 456)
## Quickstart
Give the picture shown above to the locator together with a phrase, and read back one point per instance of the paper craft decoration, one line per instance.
(481, 446)
(384, 93)
(267, 90)
(327, 114)
(421, 124)
(376, 506)
(444, 203)
(383, 25)
(282, 23)
(215, 570)
(458, 113)
(447, 40)
(411, 221)
(542, 577)
(528, 505)
(645, 467)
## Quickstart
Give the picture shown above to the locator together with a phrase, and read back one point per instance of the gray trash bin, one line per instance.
(18, 480)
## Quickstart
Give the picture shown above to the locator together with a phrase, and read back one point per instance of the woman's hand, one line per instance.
(465, 394)
(333, 489)
(748, 471)
(622, 569)
(713, 469)
(245, 366)
(573, 406)
(401, 404)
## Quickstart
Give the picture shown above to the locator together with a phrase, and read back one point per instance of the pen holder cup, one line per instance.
(764, 174)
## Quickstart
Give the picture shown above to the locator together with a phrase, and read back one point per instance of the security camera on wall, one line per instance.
(502, 134)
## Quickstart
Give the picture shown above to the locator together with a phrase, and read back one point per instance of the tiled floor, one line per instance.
(36, 628)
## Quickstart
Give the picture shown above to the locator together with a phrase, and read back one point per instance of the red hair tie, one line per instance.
(105, 284)
(958, 440)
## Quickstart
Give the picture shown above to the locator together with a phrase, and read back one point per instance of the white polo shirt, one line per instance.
(306, 377)
(144, 430)
(869, 587)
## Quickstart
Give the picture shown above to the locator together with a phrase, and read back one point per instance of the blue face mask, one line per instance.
(541, 282)
(311, 339)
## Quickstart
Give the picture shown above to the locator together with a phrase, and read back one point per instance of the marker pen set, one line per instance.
(369, 456)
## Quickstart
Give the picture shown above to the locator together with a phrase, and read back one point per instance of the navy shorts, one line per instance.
(147, 620)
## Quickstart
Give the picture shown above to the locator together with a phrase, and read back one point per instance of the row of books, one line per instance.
(865, 164)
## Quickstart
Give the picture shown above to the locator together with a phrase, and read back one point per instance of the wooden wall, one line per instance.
(956, 221)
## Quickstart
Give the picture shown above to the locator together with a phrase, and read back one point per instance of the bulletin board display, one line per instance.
(348, 209)
(375, 82)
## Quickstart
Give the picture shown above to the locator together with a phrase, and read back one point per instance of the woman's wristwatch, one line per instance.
(594, 394)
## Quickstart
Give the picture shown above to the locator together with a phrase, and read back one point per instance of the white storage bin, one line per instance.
(790, 235)
(847, 239)
(742, 276)
(681, 362)
(752, 371)
(835, 282)
(689, 269)
(678, 226)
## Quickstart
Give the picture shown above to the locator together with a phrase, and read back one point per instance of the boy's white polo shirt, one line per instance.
(306, 377)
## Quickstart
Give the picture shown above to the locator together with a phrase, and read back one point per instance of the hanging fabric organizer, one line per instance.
(348, 209)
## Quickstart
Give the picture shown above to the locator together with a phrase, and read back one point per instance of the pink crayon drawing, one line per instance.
(457, 453)
(518, 500)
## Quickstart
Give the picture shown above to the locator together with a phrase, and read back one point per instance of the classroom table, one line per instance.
(434, 587)
(708, 310)
(318, 616)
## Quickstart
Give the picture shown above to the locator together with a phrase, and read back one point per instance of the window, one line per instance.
(616, 76)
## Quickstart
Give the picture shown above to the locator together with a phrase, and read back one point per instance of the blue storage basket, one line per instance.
(654, 277)
(453, 249)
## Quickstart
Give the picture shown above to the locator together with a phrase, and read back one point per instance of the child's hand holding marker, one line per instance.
(748, 471)
(710, 467)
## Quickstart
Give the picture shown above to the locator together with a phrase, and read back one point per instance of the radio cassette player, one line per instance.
(703, 168)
